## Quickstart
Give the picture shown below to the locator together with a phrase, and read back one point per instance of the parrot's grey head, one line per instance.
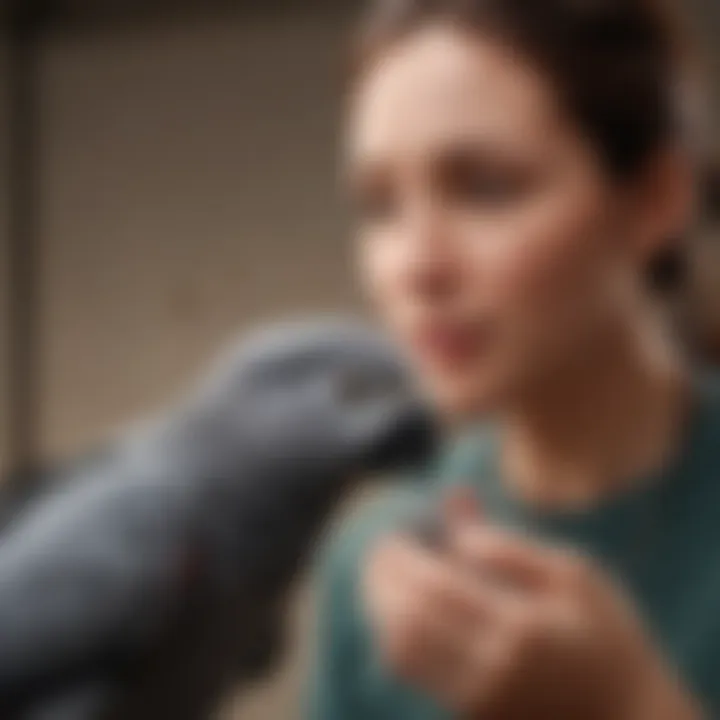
(328, 396)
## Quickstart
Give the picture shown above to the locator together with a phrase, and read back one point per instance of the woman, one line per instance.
(524, 173)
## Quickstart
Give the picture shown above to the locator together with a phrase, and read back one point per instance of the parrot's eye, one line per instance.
(359, 388)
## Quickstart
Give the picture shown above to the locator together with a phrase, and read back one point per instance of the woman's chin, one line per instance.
(466, 399)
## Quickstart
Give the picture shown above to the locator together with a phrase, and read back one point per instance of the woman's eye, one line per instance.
(475, 184)
(489, 187)
(485, 188)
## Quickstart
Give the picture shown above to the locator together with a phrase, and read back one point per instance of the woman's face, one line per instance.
(488, 237)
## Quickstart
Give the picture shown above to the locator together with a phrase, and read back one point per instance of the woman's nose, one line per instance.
(433, 264)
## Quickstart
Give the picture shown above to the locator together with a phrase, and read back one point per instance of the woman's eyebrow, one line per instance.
(366, 170)
(479, 150)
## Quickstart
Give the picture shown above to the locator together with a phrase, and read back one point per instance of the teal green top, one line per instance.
(661, 542)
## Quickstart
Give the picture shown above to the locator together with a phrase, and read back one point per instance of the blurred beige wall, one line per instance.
(188, 189)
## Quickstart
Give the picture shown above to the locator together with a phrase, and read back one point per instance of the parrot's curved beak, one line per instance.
(406, 437)
(389, 422)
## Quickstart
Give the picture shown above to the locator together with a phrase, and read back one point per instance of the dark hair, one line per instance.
(623, 69)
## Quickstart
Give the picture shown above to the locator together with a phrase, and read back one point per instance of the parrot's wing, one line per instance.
(90, 569)
(20, 489)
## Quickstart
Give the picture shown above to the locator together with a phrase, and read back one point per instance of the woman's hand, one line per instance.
(500, 628)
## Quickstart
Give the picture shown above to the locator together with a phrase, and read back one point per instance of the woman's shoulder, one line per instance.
(708, 392)
(708, 380)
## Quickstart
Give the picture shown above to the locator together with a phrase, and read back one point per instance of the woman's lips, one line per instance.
(449, 344)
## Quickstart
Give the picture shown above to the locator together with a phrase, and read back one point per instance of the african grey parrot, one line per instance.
(146, 582)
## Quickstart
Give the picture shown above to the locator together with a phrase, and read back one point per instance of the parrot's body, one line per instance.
(149, 580)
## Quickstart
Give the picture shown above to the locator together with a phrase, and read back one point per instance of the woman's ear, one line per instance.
(665, 204)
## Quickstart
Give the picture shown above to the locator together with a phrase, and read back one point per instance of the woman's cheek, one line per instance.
(541, 277)
(378, 258)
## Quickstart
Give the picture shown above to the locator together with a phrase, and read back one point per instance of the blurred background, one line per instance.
(169, 178)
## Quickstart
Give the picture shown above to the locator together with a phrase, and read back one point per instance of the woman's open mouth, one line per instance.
(451, 344)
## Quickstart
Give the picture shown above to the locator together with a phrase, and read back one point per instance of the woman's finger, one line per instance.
(419, 644)
(447, 657)
(432, 649)
(505, 556)
(434, 580)
(427, 579)
(438, 626)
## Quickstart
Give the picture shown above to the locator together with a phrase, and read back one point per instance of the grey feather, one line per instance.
(164, 564)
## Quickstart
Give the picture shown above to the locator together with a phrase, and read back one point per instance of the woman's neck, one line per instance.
(598, 427)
